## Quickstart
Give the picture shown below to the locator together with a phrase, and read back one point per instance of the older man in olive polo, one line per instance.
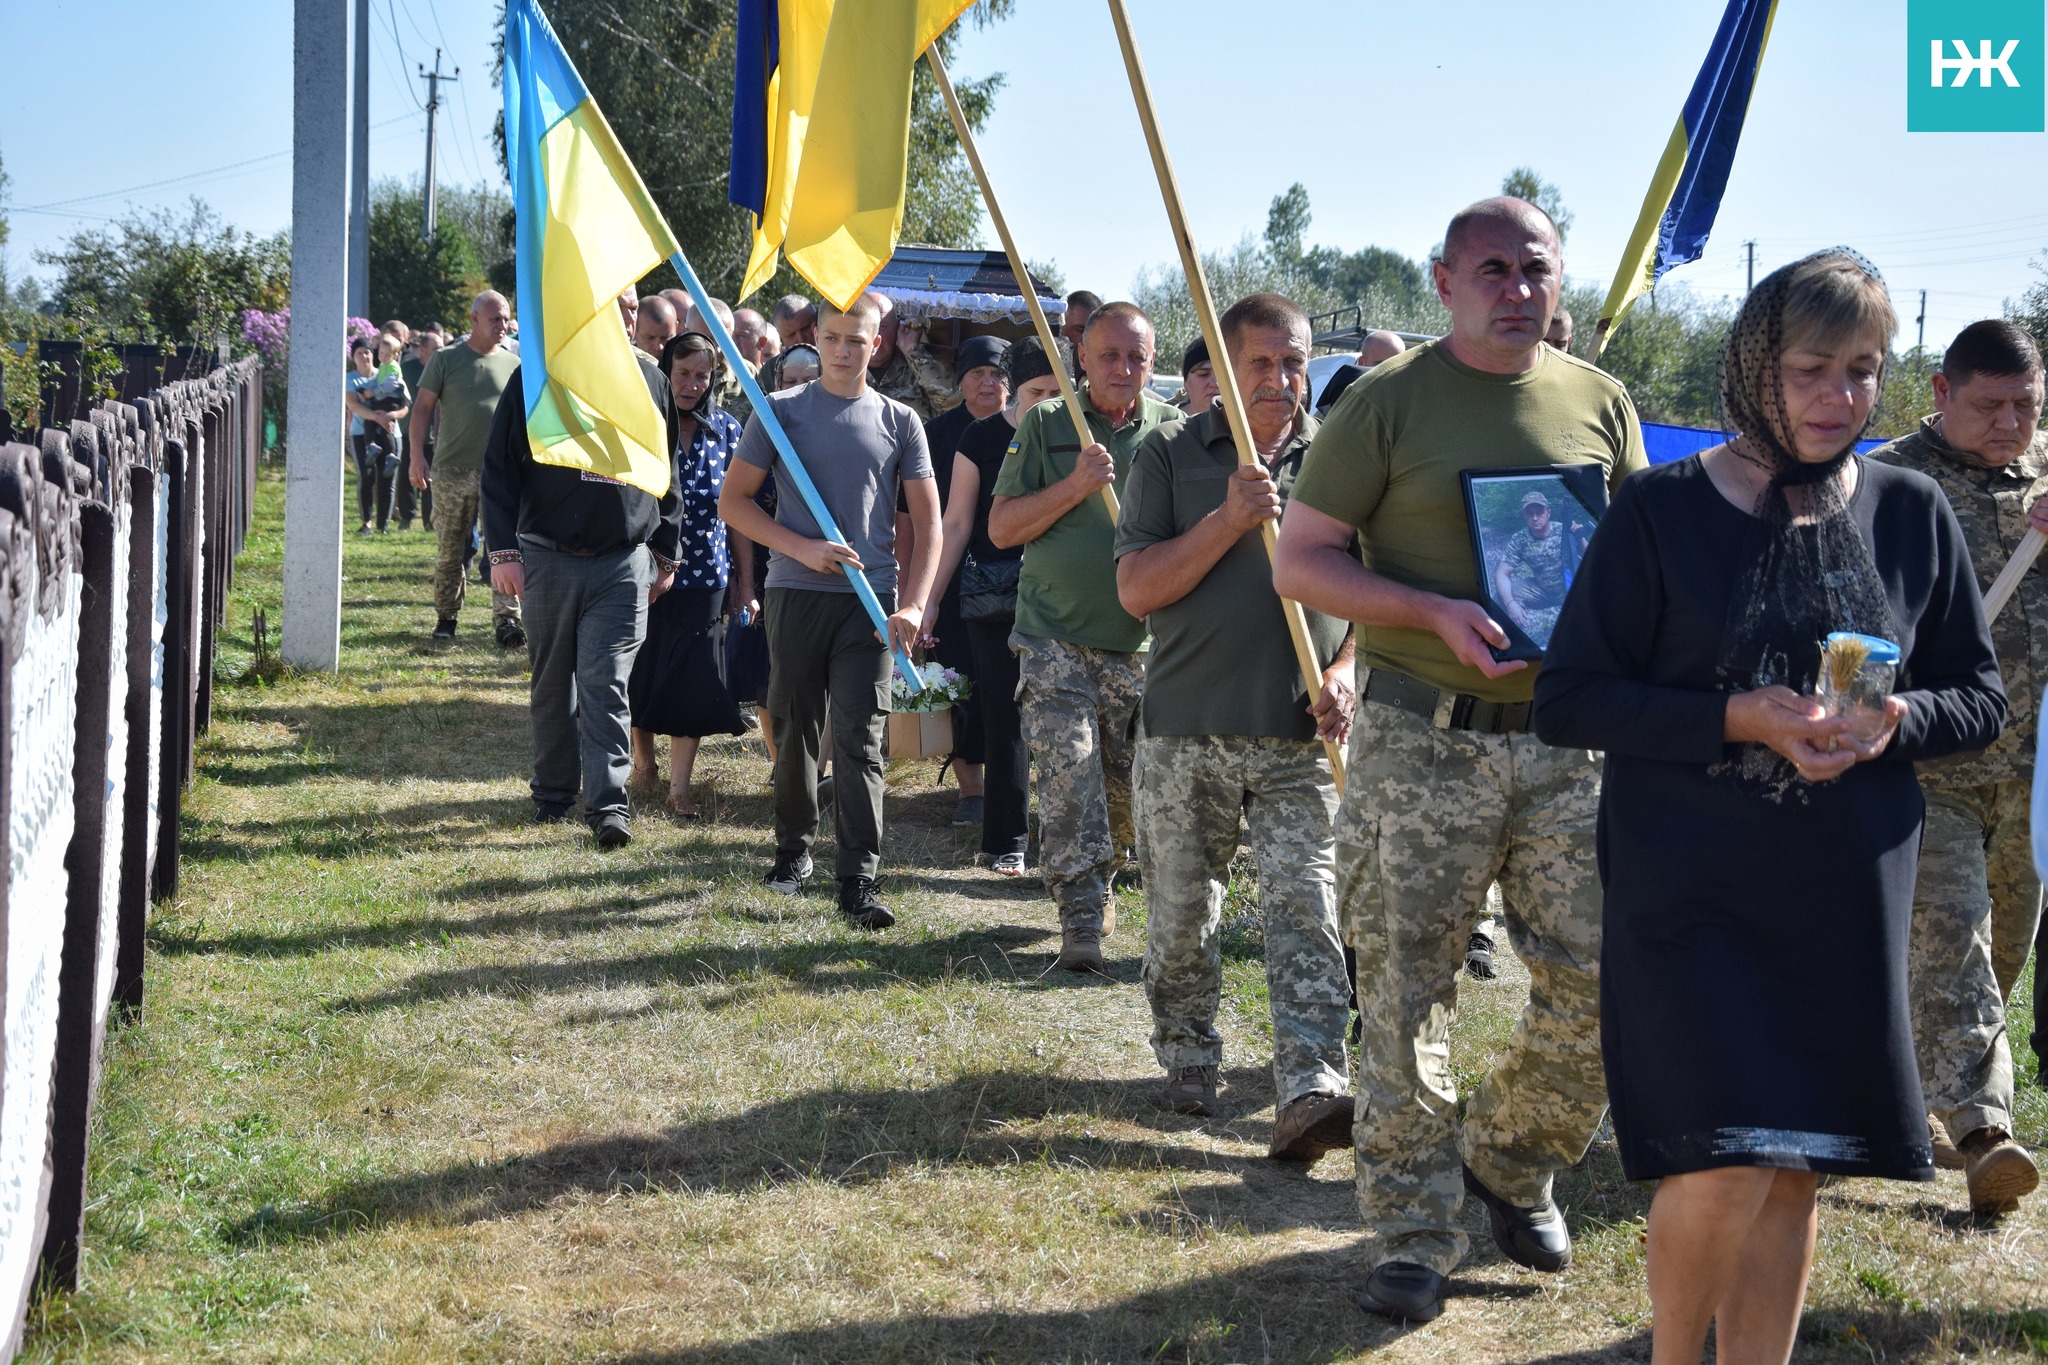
(1447, 790)
(1078, 649)
(1231, 737)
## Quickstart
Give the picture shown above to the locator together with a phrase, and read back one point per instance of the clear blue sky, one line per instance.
(1393, 115)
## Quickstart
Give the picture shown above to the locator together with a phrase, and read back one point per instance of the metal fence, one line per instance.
(117, 545)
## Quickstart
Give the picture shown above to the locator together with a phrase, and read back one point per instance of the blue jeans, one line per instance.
(585, 617)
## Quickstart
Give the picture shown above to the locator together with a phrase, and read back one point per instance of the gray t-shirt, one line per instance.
(855, 450)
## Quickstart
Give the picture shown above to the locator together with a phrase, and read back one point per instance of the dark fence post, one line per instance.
(148, 616)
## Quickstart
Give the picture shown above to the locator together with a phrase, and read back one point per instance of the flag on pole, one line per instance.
(848, 204)
(779, 45)
(586, 230)
(1685, 193)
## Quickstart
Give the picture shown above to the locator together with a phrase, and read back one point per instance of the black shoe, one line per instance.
(858, 903)
(968, 811)
(787, 876)
(444, 629)
(1479, 957)
(511, 635)
(1535, 1238)
(550, 815)
(613, 832)
(1404, 1291)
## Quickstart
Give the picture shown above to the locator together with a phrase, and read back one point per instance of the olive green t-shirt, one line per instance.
(1067, 590)
(468, 386)
(1222, 658)
(1387, 461)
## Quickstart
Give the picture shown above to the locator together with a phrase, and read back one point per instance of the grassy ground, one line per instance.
(418, 1081)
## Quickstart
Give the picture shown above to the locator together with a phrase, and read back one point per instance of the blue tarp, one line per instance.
(1664, 444)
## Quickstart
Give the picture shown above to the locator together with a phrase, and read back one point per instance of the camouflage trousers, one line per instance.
(1192, 794)
(1080, 713)
(1430, 817)
(457, 500)
(1975, 909)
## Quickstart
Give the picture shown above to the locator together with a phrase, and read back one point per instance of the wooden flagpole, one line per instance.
(1017, 267)
(1219, 354)
(2008, 581)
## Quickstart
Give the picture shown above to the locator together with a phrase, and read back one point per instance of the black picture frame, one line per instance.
(1494, 501)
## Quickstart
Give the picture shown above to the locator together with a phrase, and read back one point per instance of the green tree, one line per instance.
(662, 71)
(410, 277)
(1250, 267)
(1524, 183)
(157, 277)
(1287, 221)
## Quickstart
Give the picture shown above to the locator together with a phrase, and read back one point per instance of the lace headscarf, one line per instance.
(1816, 574)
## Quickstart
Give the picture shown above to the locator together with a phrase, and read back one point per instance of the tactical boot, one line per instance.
(1190, 1090)
(1080, 949)
(1998, 1170)
(1946, 1157)
(1307, 1127)
(861, 907)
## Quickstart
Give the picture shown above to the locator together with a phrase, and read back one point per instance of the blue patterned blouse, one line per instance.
(700, 474)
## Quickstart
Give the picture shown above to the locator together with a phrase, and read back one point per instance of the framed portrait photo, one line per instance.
(1530, 527)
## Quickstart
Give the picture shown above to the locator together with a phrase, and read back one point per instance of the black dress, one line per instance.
(1753, 969)
(675, 687)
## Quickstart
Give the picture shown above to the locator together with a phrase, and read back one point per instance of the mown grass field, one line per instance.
(417, 1081)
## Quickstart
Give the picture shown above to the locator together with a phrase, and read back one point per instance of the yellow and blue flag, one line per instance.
(587, 229)
(1685, 194)
(780, 44)
(847, 207)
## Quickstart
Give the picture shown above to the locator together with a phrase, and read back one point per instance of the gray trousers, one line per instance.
(585, 618)
(822, 652)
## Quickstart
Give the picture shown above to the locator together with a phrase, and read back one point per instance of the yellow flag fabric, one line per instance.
(801, 26)
(848, 206)
(593, 411)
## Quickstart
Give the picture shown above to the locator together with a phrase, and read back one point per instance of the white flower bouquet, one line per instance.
(943, 688)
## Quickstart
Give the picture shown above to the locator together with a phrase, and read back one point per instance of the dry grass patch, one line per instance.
(420, 1082)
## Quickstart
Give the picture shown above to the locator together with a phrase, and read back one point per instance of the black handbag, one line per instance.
(988, 590)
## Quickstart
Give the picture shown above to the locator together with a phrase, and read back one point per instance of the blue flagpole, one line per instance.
(798, 475)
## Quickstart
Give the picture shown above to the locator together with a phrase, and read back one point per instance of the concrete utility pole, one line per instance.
(359, 172)
(433, 79)
(1752, 265)
(1922, 320)
(313, 451)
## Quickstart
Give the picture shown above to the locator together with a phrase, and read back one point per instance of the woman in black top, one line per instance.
(1006, 779)
(1745, 835)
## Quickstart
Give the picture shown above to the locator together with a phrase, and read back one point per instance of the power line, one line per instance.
(175, 179)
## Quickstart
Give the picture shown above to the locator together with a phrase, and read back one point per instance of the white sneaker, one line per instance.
(1009, 865)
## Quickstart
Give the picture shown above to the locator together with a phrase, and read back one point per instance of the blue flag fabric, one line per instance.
(757, 53)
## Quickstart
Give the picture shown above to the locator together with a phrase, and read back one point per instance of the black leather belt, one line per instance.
(1445, 710)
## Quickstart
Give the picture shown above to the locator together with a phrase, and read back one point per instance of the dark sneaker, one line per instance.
(1404, 1292)
(788, 875)
(863, 910)
(1080, 949)
(1307, 1127)
(1479, 957)
(1999, 1172)
(968, 812)
(550, 815)
(613, 832)
(444, 629)
(1190, 1090)
(1535, 1238)
(511, 635)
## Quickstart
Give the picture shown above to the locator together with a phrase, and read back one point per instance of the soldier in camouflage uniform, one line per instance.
(1532, 576)
(1446, 790)
(903, 370)
(1077, 648)
(1977, 904)
(1230, 738)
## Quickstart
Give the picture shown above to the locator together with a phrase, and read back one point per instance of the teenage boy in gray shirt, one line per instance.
(822, 649)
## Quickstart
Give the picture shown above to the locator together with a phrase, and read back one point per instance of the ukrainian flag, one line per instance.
(1685, 194)
(848, 203)
(587, 229)
(780, 44)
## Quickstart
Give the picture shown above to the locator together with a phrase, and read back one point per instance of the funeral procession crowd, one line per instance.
(1681, 732)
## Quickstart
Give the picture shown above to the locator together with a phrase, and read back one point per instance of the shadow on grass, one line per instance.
(735, 975)
(468, 740)
(432, 827)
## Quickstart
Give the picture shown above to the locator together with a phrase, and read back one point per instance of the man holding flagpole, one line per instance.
(823, 651)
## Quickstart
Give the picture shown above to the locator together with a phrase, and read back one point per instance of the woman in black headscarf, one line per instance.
(1745, 834)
